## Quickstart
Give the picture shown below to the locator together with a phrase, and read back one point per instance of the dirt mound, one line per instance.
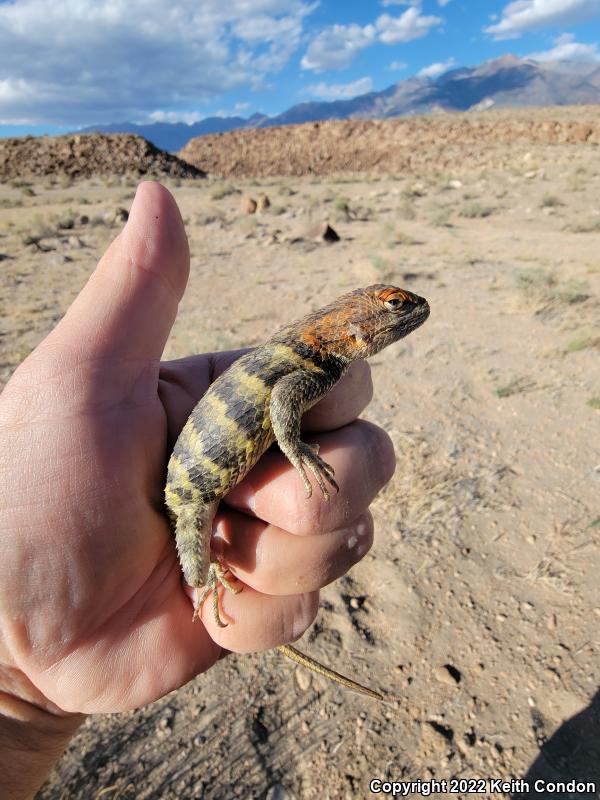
(405, 145)
(88, 155)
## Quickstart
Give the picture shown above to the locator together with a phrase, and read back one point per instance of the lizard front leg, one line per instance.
(290, 397)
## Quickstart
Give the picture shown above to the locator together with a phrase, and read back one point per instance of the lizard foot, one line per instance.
(217, 574)
(309, 456)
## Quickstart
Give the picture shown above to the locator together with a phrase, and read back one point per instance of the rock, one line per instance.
(82, 219)
(57, 260)
(115, 217)
(322, 233)
(75, 242)
(303, 678)
(447, 674)
(263, 203)
(248, 205)
(454, 184)
(435, 738)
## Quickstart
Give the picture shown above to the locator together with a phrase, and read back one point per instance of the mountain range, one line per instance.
(501, 82)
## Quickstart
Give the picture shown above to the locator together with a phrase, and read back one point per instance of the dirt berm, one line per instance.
(405, 145)
(88, 155)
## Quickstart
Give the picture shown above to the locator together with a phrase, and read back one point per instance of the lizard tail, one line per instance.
(315, 666)
(193, 529)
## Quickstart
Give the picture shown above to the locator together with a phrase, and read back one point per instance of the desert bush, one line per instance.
(550, 201)
(475, 210)
(587, 226)
(223, 190)
(440, 217)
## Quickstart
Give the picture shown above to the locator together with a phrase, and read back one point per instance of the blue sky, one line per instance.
(73, 63)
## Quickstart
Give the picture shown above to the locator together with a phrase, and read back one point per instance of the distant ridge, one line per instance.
(501, 82)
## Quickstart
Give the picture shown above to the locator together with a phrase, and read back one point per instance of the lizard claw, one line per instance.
(217, 574)
(320, 469)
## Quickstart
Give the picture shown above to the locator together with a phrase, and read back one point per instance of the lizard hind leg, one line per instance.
(217, 574)
(193, 528)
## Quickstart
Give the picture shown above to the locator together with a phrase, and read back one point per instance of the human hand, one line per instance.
(93, 614)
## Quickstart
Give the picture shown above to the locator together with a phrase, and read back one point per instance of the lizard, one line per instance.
(260, 400)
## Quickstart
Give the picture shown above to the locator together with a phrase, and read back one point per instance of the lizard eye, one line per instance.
(393, 304)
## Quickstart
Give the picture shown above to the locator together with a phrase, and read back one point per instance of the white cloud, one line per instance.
(189, 117)
(527, 15)
(398, 65)
(335, 46)
(340, 91)
(434, 70)
(443, 3)
(567, 49)
(87, 61)
(408, 26)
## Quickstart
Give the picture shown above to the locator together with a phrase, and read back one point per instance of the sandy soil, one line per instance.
(486, 555)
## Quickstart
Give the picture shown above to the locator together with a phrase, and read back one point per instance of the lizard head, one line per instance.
(365, 321)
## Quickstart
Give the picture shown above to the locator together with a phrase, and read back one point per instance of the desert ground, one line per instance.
(479, 602)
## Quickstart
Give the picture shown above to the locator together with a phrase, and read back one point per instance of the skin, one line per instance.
(94, 616)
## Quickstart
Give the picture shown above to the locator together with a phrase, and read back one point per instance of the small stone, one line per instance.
(454, 184)
(322, 233)
(447, 674)
(277, 792)
(248, 205)
(263, 203)
(57, 259)
(120, 215)
(418, 189)
(83, 219)
(354, 603)
(75, 242)
(531, 174)
(303, 679)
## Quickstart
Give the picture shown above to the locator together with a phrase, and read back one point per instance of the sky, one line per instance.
(72, 63)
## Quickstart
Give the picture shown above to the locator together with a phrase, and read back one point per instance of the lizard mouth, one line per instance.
(412, 320)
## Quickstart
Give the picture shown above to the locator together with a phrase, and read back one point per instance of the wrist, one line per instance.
(32, 739)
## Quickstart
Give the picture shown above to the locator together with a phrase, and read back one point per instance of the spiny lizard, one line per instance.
(260, 399)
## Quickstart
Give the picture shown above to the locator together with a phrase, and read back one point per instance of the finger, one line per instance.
(273, 561)
(362, 456)
(128, 306)
(184, 381)
(259, 621)
(344, 403)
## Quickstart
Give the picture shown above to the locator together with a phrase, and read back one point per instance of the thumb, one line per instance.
(128, 306)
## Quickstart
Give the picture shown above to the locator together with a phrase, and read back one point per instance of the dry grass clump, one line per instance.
(223, 190)
(540, 285)
(475, 210)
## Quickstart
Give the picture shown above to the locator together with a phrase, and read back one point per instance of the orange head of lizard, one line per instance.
(365, 321)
